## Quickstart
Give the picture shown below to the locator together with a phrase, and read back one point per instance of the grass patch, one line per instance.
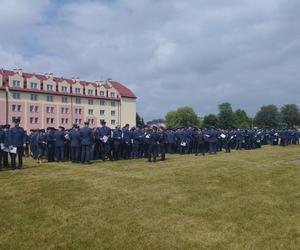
(242, 200)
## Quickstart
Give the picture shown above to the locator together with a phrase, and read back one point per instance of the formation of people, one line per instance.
(84, 145)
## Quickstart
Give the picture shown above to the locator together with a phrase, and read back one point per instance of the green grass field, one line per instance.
(242, 200)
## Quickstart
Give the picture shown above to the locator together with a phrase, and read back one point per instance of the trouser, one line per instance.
(105, 151)
(33, 150)
(126, 150)
(162, 150)
(200, 148)
(59, 153)
(1, 158)
(85, 154)
(239, 144)
(117, 151)
(212, 147)
(135, 150)
(75, 154)
(20, 153)
(152, 152)
(50, 151)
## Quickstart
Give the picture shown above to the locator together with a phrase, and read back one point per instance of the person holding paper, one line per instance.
(17, 142)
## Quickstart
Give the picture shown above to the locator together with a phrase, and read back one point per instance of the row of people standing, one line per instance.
(82, 145)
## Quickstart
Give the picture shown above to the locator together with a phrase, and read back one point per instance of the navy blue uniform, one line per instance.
(59, 145)
(117, 140)
(104, 132)
(126, 143)
(75, 143)
(153, 145)
(17, 138)
(86, 138)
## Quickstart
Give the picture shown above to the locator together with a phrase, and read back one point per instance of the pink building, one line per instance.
(43, 101)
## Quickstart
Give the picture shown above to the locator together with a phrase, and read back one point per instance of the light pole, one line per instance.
(6, 103)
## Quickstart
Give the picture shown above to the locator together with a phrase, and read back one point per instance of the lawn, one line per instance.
(242, 200)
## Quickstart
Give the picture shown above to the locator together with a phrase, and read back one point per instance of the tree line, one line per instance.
(268, 117)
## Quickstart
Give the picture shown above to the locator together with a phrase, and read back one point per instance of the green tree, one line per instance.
(267, 117)
(242, 119)
(182, 117)
(139, 120)
(290, 115)
(210, 121)
(226, 116)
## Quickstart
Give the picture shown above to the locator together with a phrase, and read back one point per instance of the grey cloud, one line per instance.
(171, 53)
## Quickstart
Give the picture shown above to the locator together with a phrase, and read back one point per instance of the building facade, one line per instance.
(43, 101)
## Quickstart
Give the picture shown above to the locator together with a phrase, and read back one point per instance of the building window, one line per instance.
(49, 87)
(33, 85)
(49, 98)
(49, 120)
(90, 111)
(67, 120)
(101, 93)
(67, 110)
(78, 100)
(78, 121)
(64, 89)
(64, 99)
(34, 109)
(62, 110)
(113, 122)
(77, 90)
(34, 120)
(19, 107)
(14, 118)
(62, 120)
(102, 102)
(33, 97)
(16, 83)
(113, 104)
(90, 101)
(78, 111)
(112, 94)
(91, 121)
(16, 95)
(90, 92)
(14, 107)
(102, 112)
(112, 113)
(50, 110)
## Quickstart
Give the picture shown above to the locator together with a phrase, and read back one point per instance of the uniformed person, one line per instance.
(2, 137)
(41, 145)
(153, 144)
(126, 142)
(17, 139)
(59, 136)
(50, 144)
(86, 139)
(117, 140)
(104, 135)
(75, 143)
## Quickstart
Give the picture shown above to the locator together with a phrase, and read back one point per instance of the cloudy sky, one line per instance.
(171, 53)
